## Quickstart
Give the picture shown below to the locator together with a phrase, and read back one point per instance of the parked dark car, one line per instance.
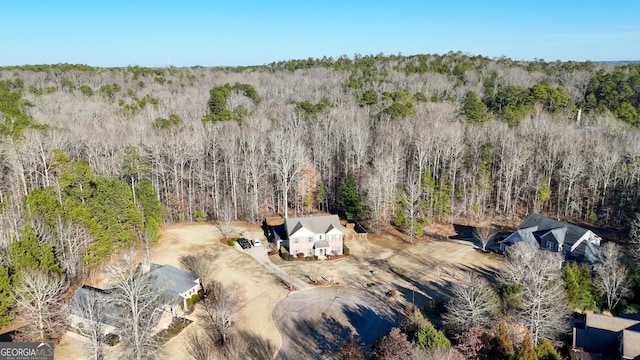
(244, 243)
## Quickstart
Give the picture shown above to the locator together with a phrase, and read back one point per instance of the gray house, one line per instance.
(312, 236)
(608, 337)
(575, 242)
(174, 285)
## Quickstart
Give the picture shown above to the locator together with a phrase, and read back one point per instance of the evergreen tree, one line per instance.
(475, 110)
(352, 203)
(546, 351)
(401, 215)
(151, 208)
(6, 296)
(527, 351)
(502, 344)
(428, 337)
(577, 283)
(28, 252)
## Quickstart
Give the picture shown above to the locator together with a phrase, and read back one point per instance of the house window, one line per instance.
(329, 237)
(549, 245)
(310, 238)
(295, 240)
(310, 252)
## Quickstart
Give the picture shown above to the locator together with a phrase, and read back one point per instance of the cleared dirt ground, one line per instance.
(384, 266)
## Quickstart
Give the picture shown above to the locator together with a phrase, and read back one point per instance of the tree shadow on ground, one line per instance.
(368, 324)
(259, 347)
(316, 340)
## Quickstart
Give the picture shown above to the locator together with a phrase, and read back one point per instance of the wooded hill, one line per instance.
(405, 140)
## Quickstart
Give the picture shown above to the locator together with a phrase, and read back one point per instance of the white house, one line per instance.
(314, 236)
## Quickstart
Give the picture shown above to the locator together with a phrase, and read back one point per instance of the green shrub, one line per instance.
(197, 297)
(347, 251)
(199, 215)
(232, 241)
(111, 339)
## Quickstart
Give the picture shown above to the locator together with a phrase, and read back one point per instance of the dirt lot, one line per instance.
(383, 265)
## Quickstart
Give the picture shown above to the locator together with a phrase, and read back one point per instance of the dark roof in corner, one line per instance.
(573, 232)
(316, 224)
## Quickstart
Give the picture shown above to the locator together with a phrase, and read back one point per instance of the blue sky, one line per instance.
(246, 32)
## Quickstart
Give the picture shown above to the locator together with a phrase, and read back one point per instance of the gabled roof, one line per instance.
(556, 235)
(586, 252)
(314, 224)
(170, 280)
(572, 233)
(525, 234)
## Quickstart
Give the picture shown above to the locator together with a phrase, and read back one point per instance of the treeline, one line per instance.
(65, 230)
(425, 137)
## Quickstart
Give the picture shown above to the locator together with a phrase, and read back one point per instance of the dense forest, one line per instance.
(401, 140)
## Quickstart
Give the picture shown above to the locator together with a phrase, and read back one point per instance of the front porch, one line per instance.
(321, 248)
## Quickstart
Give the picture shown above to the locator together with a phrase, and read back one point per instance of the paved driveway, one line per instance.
(259, 253)
(315, 323)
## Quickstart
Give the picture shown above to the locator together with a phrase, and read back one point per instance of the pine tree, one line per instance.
(527, 351)
(6, 296)
(502, 344)
(428, 337)
(351, 199)
(546, 351)
(29, 253)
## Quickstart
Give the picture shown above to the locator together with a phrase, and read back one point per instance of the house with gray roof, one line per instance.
(313, 236)
(174, 285)
(608, 337)
(84, 301)
(576, 243)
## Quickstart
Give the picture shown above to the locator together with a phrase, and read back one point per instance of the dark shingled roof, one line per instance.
(87, 295)
(573, 232)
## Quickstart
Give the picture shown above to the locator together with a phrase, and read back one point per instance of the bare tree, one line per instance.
(612, 278)
(413, 194)
(199, 345)
(221, 307)
(224, 219)
(236, 348)
(634, 236)
(92, 308)
(288, 157)
(350, 351)
(393, 346)
(536, 273)
(72, 239)
(201, 264)
(484, 235)
(140, 305)
(437, 354)
(474, 304)
(39, 295)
